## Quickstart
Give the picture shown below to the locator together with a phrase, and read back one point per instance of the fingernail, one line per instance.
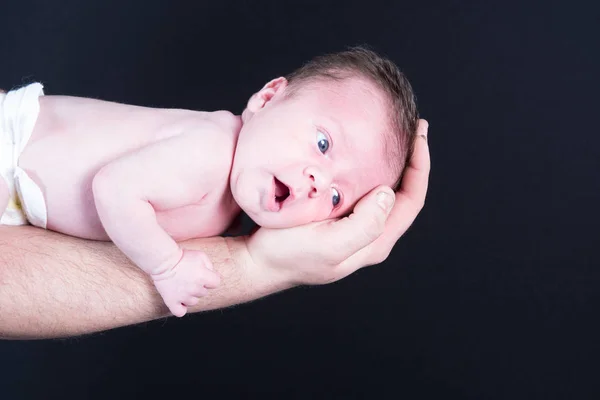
(385, 200)
(426, 133)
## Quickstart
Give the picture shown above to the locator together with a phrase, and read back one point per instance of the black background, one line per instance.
(494, 293)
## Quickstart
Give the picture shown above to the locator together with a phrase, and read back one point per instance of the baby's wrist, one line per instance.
(166, 269)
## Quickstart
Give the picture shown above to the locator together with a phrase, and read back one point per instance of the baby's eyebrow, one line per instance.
(345, 136)
(340, 133)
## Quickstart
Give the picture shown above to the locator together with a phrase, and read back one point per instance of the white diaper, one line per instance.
(19, 110)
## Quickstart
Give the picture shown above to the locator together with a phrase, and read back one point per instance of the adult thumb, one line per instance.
(366, 223)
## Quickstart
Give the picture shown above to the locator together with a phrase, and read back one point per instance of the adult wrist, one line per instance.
(258, 270)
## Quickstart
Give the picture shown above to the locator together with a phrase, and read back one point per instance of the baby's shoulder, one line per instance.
(212, 136)
(227, 120)
(222, 123)
(219, 129)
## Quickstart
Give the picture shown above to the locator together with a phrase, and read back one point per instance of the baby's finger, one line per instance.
(211, 279)
(191, 301)
(178, 310)
(198, 290)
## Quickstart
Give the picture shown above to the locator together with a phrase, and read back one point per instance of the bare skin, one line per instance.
(74, 138)
(98, 288)
(147, 179)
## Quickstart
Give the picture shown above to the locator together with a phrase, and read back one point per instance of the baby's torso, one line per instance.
(74, 138)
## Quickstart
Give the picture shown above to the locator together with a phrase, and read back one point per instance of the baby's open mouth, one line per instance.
(282, 192)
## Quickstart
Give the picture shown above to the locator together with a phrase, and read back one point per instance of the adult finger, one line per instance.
(409, 202)
(410, 198)
(365, 224)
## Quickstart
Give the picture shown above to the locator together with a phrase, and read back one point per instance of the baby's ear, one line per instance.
(263, 96)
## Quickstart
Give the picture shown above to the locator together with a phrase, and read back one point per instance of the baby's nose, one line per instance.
(319, 181)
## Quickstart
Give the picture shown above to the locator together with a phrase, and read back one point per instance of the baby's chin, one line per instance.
(270, 220)
(273, 220)
(260, 217)
(279, 221)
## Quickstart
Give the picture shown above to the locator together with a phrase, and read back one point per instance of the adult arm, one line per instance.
(52, 285)
(56, 286)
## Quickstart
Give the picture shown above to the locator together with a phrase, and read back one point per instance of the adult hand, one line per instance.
(326, 251)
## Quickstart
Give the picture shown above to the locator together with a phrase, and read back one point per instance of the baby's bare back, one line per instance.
(75, 137)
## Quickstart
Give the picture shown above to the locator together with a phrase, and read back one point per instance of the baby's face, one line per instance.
(311, 156)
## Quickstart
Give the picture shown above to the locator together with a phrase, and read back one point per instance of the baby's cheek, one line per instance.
(341, 212)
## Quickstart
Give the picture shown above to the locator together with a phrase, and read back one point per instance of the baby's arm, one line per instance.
(167, 174)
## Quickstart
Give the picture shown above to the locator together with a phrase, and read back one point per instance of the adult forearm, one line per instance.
(53, 285)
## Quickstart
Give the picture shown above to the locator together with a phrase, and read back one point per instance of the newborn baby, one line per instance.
(306, 148)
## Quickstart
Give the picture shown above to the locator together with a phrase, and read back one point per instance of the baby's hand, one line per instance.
(183, 285)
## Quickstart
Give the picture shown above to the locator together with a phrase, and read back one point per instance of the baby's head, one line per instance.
(313, 143)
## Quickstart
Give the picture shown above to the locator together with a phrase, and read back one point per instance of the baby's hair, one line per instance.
(365, 63)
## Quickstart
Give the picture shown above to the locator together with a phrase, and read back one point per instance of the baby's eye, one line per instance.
(322, 142)
(335, 199)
